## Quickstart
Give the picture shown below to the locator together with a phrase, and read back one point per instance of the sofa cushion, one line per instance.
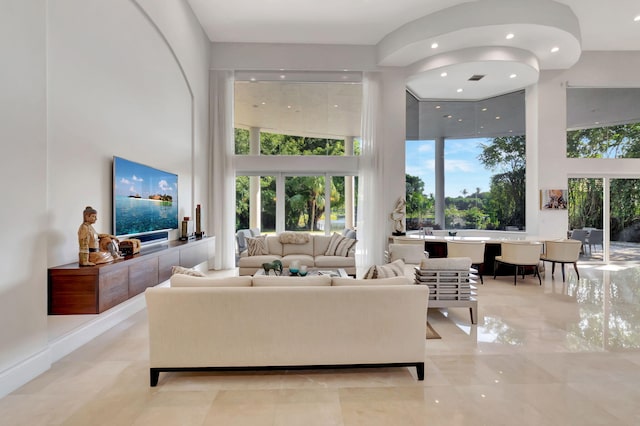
(409, 253)
(339, 245)
(274, 245)
(342, 282)
(186, 271)
(318, 280)
(301, 248)
(335, 262)
(180, 280)
(257, 246)
(320, 244)
(393, 269)
(304, 259)
(257, 261)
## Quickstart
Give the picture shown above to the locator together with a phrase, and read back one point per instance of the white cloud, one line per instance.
(164, 185)
(125, 181)
(137, 179)
(459, 166)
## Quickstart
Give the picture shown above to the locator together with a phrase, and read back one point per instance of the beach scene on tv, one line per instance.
(145, 198)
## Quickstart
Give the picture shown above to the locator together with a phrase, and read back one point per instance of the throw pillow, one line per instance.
(257, 246)
(393, 269)
(289, 237)
(339, 245)
(186, 271)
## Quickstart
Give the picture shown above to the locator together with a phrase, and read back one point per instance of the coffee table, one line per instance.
(332, 272)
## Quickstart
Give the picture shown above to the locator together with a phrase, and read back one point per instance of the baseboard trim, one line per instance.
(69, 342)
(30, 368)
(22, 373)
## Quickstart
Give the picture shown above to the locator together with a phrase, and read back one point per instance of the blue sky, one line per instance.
(462, 168)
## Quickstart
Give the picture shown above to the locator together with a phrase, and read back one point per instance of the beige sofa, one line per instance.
(285, 323)
(311, 253)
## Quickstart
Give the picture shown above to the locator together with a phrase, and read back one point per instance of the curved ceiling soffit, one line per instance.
(494, 62)
(537, 26)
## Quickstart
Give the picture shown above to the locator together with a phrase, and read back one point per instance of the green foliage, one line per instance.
(242, 141)
(242, 202)
(304, 195)
(274, 144)
(620, 141)
(585, 195)
(507, 155)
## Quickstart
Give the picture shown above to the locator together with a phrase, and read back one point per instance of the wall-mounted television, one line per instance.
(145, 199)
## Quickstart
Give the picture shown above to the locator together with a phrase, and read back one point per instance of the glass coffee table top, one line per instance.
(332, 272)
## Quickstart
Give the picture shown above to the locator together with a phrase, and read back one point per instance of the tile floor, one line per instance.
(556, 354)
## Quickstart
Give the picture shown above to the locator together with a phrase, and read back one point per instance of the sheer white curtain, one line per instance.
(371, 224)
(222, 197)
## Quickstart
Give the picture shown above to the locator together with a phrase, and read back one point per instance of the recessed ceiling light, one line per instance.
(252, 79)
(289, 106)
(497, 117)
(510, 131)
(555, 49)
(264, 103)
(437, 106)
(434, 45)
(443, 74)
(459, 120)
(509, 36)
(459, 90)
(484, 109)
(449, 116)
(637, 18)
(482, 127)
(513, 75)
(335, 105)
(282, 76)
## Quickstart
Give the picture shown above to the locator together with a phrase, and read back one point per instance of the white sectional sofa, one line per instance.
(311, 253)
(285, 323)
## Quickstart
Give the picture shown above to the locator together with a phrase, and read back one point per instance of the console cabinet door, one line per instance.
(113, 288)
(165, 263)
(143, 274)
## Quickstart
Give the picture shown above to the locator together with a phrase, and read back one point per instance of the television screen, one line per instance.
(145, 199)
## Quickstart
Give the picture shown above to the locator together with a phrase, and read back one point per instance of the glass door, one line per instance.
(624, 212)
(586, 217)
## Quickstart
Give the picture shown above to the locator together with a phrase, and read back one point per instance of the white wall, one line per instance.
(23, 166)
(114, 78)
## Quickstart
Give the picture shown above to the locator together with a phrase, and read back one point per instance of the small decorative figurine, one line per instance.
(92, 252)
(398, 217)
(276, 266)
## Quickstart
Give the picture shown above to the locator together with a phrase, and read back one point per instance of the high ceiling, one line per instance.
(471, 39)
(471, 35)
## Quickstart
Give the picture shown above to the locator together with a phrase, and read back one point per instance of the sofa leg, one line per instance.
(420, 370)
(154, 375)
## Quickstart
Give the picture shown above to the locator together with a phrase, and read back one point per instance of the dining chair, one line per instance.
(520, 255)
(471, 249)
(580, 235)
(562, 251)
(594, 239)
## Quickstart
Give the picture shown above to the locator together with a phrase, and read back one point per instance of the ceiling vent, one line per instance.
(477, 77)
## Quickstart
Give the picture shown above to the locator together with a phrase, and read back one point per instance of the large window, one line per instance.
(481, 172)
(289, 126)
(603, 123)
